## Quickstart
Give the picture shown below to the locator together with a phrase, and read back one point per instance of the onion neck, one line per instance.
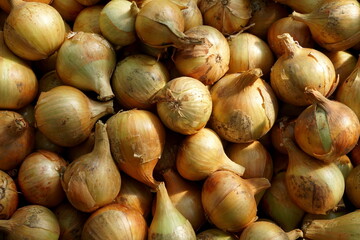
(295, 234)
(256, 185)
(101, 144)
(6, 225)
(134, 10)
(18, 127)
(163, 202)
(232, 166)
(16, 3)
(290, 46)
(247, 79)
(100, 109)
(316, 97)
(105, 91)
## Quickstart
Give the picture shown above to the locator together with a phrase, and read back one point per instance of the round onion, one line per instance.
(88, 20)
(9, 197)
(68, 9)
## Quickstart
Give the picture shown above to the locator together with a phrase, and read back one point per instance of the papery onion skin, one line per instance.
(9, 198)
(16, 139)
(184, 105)
(33, 30)
(39, 178)
(18, 81)
(88, 20)
(352, 184)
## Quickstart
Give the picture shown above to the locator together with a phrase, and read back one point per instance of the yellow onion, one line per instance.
(345, 227)
(304, 6)
(160, 23)
(88, 2)
(16, 139)
(214, 234)
(71, 221)
(184, 105)
(92, 180)
(49, 81)
(115, 222)
(201, 154)
(280, 162)
(87, 61)
(226, 16)
(299, 68)
(264, 230)
(168, 222)
(186, 197)
(352, 184)
(315, 186)
(134, 194)
(327, 129)
(117, 22)
(136, 79)
(88, 20)
(244, 107)
(192, 14)
(83, 148)
(39, 178)
(334, 25)
(283, 126)
(277, 204)
(33, 30)
(18, 82)
(208, 61)
(263, 14)
(5, 5)
(248, 51)
(68, 109)
(137, 139)
(348, 91)
(344, 63)
(9, 197)
(299, 31)
(229, 201)
(31, 222)
(68, 9)
(345, 165)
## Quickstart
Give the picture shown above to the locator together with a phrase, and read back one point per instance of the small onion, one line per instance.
(68, 109)
(18, 82)
(226, 16)
(16, 139)
(344, 63)
(244, 107)
(352, 184)
(136, 79)
(40, 34)
(208, 61)
(9, 197)
(184, 105)
(88, 20)
(299, 68)
(68, 9)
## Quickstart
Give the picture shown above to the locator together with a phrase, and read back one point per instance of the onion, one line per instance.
(277, 204)
(18, 82)
(184, 105)
(208, 61)
(168, 222)
(352, 186)
(117, 22)
(344, 227)
(214, 234)
(16, 139)
(248, 51)
(264, 230)
(6, 5)
(345, 165)
(201, 154)
(31, 222)
(244, 107)
(283, 126)
(9, 197)
(160, 23)
(49, 81)
(68, 9)
(344, 63)
(263, 14)
(315, 186)
(40, 34)
(327, 129)
(228, 200)
(334, 25)
(299, 68)
(137, 78)
(134, 194)
(71, 221)
(115, 222)
(308, 217)
(93, 180)
(88, 20)
(226, 16)
(137, 139)
(70, 110)
(192, 14)
(39, 178)
(304, 6)
(88, 2)
(86, 61)
(299, 31)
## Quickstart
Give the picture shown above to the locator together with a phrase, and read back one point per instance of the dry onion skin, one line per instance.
(192, 14)
(184, 105)
(244, 107)
(136, 79)
(226, 16)
(9, 197)
(208, 61)
(334, 25)
(299, 68)
(19, 85)
(33, 30)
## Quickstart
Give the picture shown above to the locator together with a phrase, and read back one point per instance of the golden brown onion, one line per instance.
(214, 234)
(344, 63)
(68, 9)
(88, 20)
(9, 196)
(192, 14)
(352, 186)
